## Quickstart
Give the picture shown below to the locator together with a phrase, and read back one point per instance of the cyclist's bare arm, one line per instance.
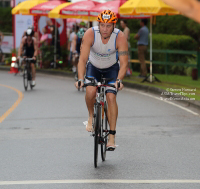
(35, 47)
(86, 44)
(190, 8)
(126, 32)
(122, 47)
(21, 47)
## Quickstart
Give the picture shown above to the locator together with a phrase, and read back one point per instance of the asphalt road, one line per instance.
(43, 143)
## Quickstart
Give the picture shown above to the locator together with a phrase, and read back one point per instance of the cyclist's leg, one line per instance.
(112, 114)
(90, 100)
(33, 71)
(111, 93)
(91, 71)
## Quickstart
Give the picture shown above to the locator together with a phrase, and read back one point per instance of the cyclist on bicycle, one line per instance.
(102, 48)
(76, 48)
(29, 46)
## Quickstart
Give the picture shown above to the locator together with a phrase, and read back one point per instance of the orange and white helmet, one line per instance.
(107, 16)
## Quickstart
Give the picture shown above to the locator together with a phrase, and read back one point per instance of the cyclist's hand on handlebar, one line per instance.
(119, 85)
(18, 58)
(79, 83)
(34, 58)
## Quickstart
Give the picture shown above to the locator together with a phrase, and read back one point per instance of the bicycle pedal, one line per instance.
(106, 131)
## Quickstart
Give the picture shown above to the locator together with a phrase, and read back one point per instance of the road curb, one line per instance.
(147, 89)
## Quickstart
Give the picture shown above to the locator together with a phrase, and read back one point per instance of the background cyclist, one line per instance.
(76, 48)
(28, 45)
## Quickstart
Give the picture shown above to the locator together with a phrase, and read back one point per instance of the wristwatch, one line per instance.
(119, 80)
(81, 80)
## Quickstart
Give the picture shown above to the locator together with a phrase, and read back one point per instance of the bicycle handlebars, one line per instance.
(104, 82)
(29, 59)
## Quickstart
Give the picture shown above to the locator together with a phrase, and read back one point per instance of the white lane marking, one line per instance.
(157, 98)
(105, 181)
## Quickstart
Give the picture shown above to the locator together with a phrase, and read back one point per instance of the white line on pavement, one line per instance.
(105, 181)
(157, 98)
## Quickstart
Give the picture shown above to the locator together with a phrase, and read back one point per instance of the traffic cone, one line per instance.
(14, 65)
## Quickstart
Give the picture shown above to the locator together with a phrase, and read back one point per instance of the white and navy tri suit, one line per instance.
(103, 59)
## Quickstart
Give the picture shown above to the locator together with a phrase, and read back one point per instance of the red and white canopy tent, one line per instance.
(114, 7)
(79, 10)
(44, 8)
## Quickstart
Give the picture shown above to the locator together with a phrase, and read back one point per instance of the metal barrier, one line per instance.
(167, 62)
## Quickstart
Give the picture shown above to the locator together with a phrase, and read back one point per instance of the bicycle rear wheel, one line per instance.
(25, 78)
(104, 131)
(97, 126)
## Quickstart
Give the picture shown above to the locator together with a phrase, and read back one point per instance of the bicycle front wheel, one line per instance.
(25, 78)
(104, 133)
(97, 126)
(30, 77)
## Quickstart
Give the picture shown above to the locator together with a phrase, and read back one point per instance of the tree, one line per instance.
(6, 19)
(176, 25)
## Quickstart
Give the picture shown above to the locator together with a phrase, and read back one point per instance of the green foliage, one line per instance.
(170, 42)
(165, 41)
(175, 25)
(6, 19)
(64, 53)
(48, 54)
(188, 70)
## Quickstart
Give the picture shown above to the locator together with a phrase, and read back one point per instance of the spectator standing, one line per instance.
(83, 25)
(1, 38)
(1, 52)
(126, 32)
(71, 37)
(43, 43)
(75, 55)
(55, 38)
(44, 38)
(143, 40)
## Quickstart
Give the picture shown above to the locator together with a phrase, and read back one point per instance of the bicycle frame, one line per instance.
(100, 131)
(100, 94)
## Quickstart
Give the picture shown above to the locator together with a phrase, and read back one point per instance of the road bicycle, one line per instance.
(100, 123)
(27, 74)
